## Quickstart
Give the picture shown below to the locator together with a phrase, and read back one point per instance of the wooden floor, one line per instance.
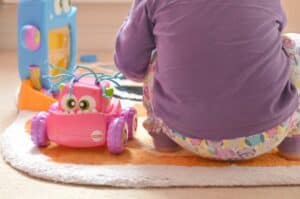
(14, 184)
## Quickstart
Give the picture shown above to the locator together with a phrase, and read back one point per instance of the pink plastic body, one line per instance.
(81, 130)
(87, 88)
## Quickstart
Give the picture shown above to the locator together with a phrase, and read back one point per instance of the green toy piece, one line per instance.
(109, 92)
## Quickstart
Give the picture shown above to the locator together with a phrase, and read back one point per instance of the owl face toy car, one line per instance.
(85, 115)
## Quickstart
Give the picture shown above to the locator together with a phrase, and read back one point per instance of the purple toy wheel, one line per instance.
(117, 135)
(39, 129)
(130, 115)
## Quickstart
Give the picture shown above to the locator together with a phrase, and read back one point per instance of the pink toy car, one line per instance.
(85, 115)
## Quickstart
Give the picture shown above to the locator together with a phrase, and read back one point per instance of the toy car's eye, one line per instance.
(68, 102)
(57, 7)
(87, 103)
(84, 105)
(66, 4)
(71, 103)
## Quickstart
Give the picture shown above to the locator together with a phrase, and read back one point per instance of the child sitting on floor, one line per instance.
(219, 85)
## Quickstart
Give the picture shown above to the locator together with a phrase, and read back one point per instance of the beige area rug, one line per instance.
(139, 166)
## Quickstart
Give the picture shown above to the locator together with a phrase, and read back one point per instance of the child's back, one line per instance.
(221, 71)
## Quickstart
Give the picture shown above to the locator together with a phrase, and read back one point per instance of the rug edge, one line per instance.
(141, 176)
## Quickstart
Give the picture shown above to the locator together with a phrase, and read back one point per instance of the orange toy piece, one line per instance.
(33, 100)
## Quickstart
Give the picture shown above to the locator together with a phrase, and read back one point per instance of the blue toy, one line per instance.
(88, 58)
(47, 34)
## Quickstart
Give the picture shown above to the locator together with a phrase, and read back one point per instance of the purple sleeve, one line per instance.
(135, 43)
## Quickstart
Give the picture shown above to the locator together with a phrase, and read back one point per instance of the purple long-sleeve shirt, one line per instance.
(221, 70)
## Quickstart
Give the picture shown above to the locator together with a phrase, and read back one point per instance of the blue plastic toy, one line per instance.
(88, 58)
(47, 34)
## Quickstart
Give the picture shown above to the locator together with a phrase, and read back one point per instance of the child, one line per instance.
(219, 86)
